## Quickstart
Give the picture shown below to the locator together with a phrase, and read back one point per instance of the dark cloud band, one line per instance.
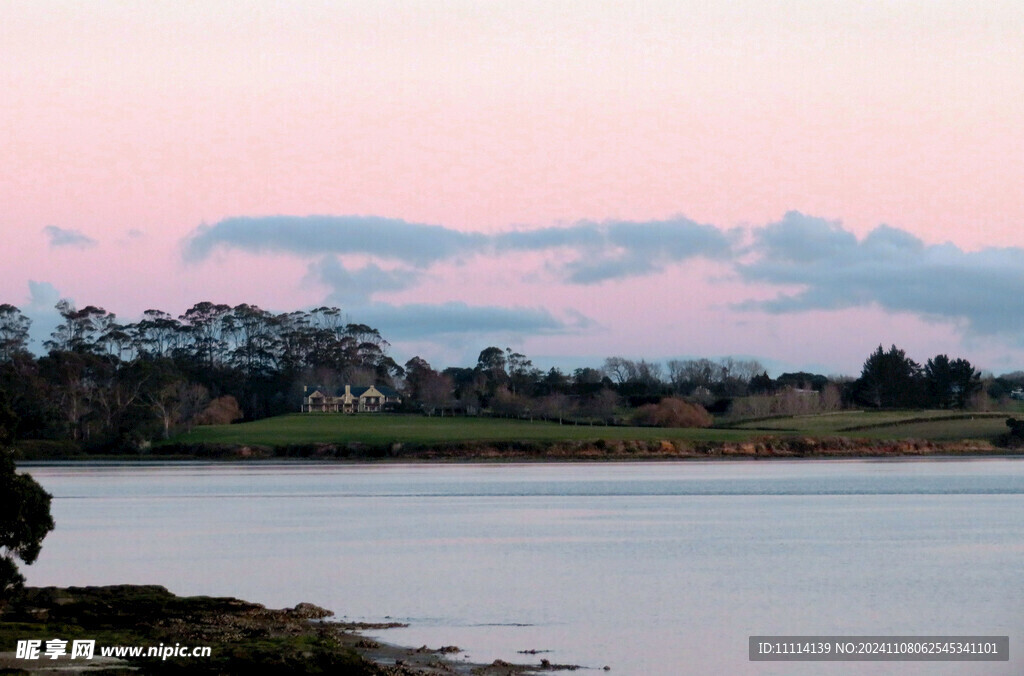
(414, 243)
(833, 270)
(889, 268)
(597, 251)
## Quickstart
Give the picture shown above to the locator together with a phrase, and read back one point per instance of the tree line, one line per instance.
(105, 384)
(890, 379)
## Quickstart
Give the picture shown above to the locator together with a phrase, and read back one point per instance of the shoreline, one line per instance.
(122, 461)
(243, 636)
(764, 448)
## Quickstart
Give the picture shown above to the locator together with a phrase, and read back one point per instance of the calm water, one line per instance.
(648, 568)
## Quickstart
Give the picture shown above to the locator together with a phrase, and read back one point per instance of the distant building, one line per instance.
(804, 392)
(1018, 394)
(349, 399)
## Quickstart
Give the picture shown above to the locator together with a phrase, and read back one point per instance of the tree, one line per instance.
(253, 339)
(157, 335)
(519, 370)
(555, 405)
(205, 323)
(29, 395)
(74, 378)
(761, 384)
(889, 379)
(490, 366)
(586, 376)
(417, 371)
(689, 374)
(165, 402)
(620, 369)
(554, 381)
(82, 331)
(492, 362)
(24, 512)
(13, 332)
(802, 380)
(435, 391)
(509, 404)
(950, 383)
(602, 405)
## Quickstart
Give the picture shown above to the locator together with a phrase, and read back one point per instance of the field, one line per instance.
(930, 425)
(413, 429)
(376, 429)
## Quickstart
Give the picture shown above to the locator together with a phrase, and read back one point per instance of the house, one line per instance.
(348, 399)
(1017, 394)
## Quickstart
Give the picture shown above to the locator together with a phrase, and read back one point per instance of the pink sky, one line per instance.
(132, 124)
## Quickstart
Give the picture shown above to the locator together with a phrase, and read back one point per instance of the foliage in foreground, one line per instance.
(24, 513)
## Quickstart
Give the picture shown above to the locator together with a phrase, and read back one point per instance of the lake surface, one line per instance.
(649, 568)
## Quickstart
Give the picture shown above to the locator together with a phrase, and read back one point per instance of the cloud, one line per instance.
(357, 286)
(825, 266)
(889, 268)
(613, 250)
(42, 295)
(580, 235)
(596, 252)
(62, 237)
(388, 238)
(428, 320)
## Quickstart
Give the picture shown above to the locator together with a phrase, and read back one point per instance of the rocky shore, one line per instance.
(244, 637)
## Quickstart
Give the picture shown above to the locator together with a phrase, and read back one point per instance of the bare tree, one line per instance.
(435, 391)
(555, 405)
(602, 406)
(619, 369)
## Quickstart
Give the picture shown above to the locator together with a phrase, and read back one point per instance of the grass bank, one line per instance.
(380, 429)
(932, 425)
(416, 437)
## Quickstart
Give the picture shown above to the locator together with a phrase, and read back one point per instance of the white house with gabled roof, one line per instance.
(348, 399)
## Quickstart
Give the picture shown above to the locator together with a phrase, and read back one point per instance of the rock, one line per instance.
(310, 612)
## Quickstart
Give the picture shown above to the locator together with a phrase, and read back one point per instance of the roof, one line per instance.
(359, 391)
(388, 392)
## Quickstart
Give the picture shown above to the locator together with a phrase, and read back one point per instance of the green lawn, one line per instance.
(930, 425)
(834, 423)
(384, 429)
(982, 428)
(306, 428)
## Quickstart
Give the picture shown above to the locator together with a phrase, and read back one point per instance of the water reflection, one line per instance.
(649, 568)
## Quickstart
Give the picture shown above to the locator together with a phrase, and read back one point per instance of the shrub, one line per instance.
(221, 411)
(673, 412)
